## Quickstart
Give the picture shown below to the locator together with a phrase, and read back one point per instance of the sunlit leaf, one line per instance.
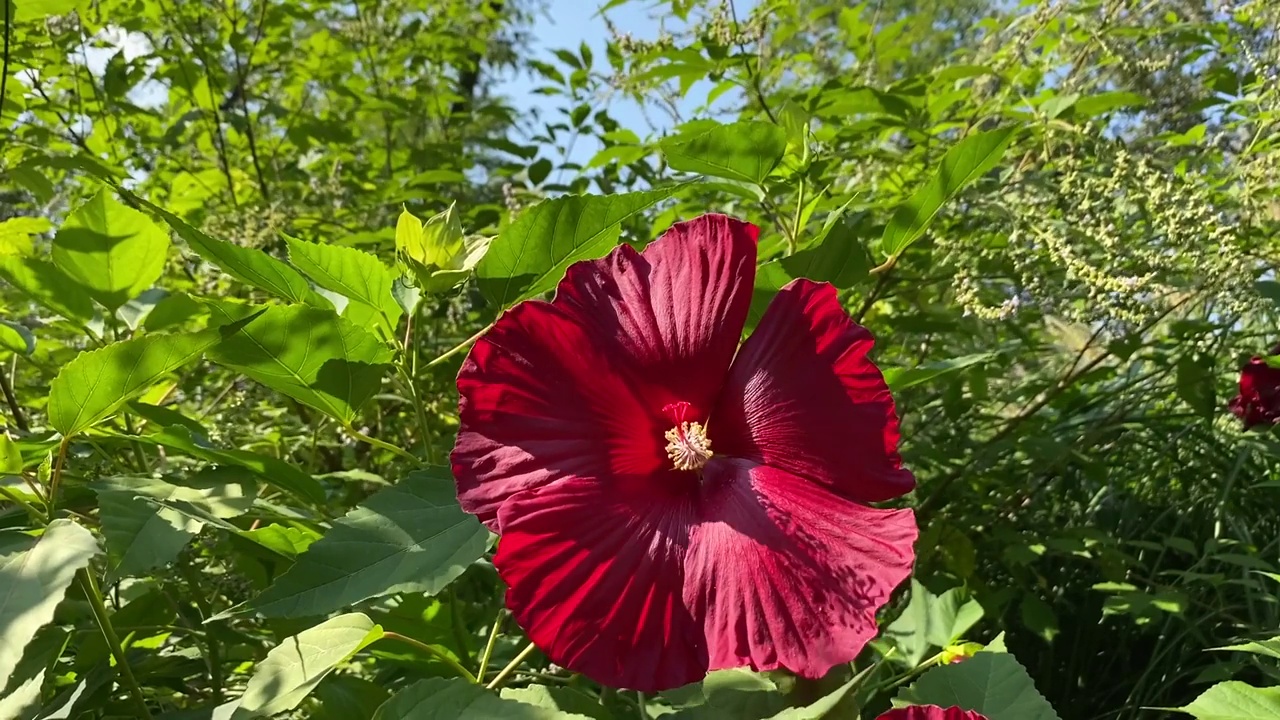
(451, 698)
(965, 162)
(48, 286)
(34, 581)
(358, 276)
(991, 683)
(530, 256)
(294, 667)
(410, 537)
(744, 151)
(1235, 701)
(312, 355)
(110, 249)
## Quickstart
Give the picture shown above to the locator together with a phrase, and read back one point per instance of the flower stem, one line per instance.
(453, 664)
(494, 634)
(99, 609)
(459, 347)
(383, 444)
(511, 666)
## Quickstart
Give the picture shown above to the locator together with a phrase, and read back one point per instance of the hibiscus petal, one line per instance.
(576, 387)
(931, 712)
(802, 396)
(675, 310)
(597, 584)
(785, 573)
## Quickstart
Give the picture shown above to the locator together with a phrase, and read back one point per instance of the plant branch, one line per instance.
(494, 634)
(459, 347)
(433, 652)
(4, 71)
(99, 609)
(511, 666)
(18, 418)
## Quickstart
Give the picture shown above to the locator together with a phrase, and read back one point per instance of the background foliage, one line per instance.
(243, 245)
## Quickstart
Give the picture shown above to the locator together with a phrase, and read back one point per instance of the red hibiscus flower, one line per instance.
(931, 712)
(670, 503)
(1259, 400)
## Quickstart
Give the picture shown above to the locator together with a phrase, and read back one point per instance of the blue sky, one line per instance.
(566, 24)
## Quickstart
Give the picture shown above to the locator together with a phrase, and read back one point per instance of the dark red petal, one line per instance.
(675, 311)
(540, 401)
(576, 387)
(597, 582)
(931, 712)
(803, 396)
(785, 573)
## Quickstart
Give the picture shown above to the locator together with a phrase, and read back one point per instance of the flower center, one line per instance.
(687, 443)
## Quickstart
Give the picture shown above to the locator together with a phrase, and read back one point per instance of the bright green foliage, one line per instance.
(35, 576)
(531, 255)
(441, 699)
(408, 538)
(1057, 219)
(295, 667)
(113, 251)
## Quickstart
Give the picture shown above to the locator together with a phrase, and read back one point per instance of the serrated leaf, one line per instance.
(411, 537)
(991, 683)
(931, 621)
(822, 707)
(1236, 701)
(744, 151)
(563, 699)
(735, 692)
(97, 382)
(357, 276)
(840, 258)
(33, 582)
(112, 250)
(249, 266)
(48, 286)
(310, 354)
(455, 699)
(141, 535)
(968, 160)
(1269, 648)
(530, 256)
(294, 668)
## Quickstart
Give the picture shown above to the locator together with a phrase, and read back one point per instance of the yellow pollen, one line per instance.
(688, 446)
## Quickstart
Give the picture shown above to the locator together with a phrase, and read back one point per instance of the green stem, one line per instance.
(99, 609)
(494, 634)
(457, 668)
(460, 636)
(459, 347)
(31, 510)
(384, 445)
(56, 475)
(511, 666)
(424, 427)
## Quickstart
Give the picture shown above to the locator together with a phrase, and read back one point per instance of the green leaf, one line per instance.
(564, 699)
(822, 707)
(840, 258)
(411, 537)
(312, 355)
(275, 472)
(142, 535)
(34, 582)
(249, 266)
(991, 683)
(931, 621)
(733, 693)
(456, 699)
(1195, 383)
(1236, 701)
(530, 256)
(1103, 103)
(47, 285)
(1269, 648)
(112, 250)
(743, 151)
(968, 160)
(97, 382)
(294, 668)
(10, 456)
(357, 276)
(20, 700)
(16, 338)
(901, 378)
(15, 234)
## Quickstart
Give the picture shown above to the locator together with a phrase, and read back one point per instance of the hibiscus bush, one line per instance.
(806, 359)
